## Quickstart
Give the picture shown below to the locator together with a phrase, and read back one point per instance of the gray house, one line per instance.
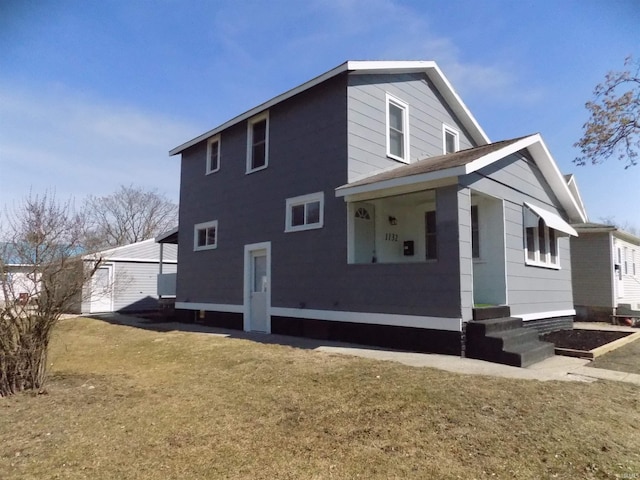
(368, 205)
(606, 277)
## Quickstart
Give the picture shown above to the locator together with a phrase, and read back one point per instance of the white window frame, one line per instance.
(304, 200)
(539, 260)
(204, 226)
(456, 135)
(390, 99)
(250, 124)
(210, 142)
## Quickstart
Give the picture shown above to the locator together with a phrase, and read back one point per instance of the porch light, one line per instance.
(392, 220)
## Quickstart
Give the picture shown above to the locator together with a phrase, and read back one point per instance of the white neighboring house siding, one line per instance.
(630, 281)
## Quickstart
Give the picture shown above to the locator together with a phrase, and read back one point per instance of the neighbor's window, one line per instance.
(305, 212)
(258, 143)
(475, 232)
(397, 129)
(451, 142)
(430, 235)
(626, 269)
(213, 154)
(541, 245)
(205, 235)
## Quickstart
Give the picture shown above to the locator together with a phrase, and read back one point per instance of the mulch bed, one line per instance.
(582, 339)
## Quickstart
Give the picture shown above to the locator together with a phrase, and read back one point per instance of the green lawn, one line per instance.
(126, 403)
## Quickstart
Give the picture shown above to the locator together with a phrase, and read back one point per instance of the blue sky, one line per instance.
(93, 94)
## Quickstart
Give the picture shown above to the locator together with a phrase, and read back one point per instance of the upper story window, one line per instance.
(450, 140)
(397, 129)
(258, 143)
(305, 212)
(213, 154)
(205, 235)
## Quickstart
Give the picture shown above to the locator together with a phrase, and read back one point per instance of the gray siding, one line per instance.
(530, 289)
(367, 120)
(592, 270)
(466, 255)
(145, 250)
(135, 285)
(308, 153)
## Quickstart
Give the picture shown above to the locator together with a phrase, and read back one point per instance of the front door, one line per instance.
(364, 233)
(257, 294)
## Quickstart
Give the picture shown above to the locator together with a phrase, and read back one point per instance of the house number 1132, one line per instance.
(391, 237)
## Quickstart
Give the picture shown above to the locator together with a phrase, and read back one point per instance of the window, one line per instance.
(258, 143)
(205, 235)
(305, 212)
(475, 232)
(397, 129)
(213, 154)
(450, 140)
(541, 245)
(626, 269)
(430, 235)
(633, 262)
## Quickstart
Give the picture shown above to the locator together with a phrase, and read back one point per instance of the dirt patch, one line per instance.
(582, 339)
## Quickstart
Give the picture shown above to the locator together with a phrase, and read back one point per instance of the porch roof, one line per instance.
(467, 161)
(449, 164)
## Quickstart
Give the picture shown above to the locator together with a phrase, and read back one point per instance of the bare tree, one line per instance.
(625, 226)
(129, 215)
(42, 275)
(614, 125)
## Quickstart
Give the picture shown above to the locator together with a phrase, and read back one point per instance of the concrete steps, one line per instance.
(504, 340)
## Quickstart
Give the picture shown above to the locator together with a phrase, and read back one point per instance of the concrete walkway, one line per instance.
(555, 368)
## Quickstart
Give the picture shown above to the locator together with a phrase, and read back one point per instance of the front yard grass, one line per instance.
(127, 403)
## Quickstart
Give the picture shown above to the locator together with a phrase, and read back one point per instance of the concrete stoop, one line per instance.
(504, 340)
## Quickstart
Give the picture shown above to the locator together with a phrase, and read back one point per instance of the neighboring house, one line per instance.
(18, 280)
(368, 205)
(605, 263)
(126, 280)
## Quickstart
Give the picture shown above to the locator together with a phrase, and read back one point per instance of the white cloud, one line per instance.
(398, 32)
(53, 139)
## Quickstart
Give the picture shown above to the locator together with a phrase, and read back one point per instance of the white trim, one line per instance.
(210, 307)
(208, 169)
(303, 200)
(364, 67)
(456, 135)
(131, 260)
(416, 321)
(246, 309)
(526, 317)
(404, 106)
(250, 124)
(202, 226)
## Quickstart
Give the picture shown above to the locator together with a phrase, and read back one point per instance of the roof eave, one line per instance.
(430, 68)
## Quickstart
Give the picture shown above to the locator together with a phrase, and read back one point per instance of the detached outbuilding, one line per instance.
(126, 280)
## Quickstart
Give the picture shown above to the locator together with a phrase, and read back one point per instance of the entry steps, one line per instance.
(504, 340)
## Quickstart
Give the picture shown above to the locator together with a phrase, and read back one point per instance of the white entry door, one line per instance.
(258, 292)
(101, 291)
